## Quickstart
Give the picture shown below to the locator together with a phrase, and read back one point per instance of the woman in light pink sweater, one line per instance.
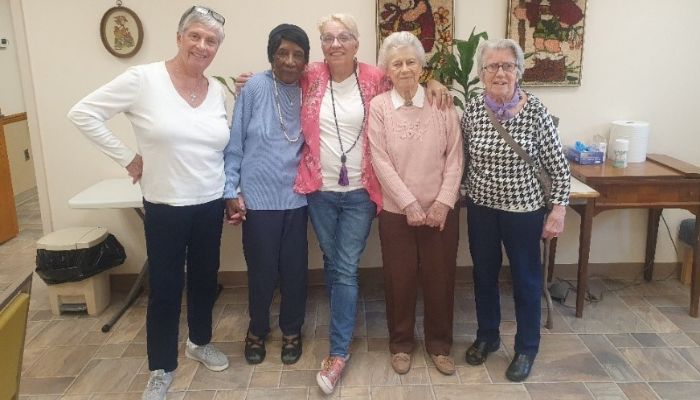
(417, 156)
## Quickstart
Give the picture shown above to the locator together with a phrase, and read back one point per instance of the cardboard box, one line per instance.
(584, 157)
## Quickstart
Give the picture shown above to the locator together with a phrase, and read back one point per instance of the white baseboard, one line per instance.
(25, 196)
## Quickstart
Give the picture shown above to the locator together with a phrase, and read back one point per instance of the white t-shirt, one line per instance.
(182, 147)
(349, 111)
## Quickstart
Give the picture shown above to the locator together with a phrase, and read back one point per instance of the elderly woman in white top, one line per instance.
(179, 120)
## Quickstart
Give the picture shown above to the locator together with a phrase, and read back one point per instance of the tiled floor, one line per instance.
(638, 343)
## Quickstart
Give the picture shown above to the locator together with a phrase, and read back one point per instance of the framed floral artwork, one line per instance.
(550, 33)
(432, 21)
(121, 32)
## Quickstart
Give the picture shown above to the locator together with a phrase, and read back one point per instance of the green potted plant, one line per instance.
(231, 89)
(448, 67)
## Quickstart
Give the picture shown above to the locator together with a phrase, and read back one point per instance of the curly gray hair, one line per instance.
(399, 40)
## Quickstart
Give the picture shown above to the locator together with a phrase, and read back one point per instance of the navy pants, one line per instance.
(276, 251)
(175, 235)
(520, 233)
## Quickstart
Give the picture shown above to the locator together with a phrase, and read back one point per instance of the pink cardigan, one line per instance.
(314, 83)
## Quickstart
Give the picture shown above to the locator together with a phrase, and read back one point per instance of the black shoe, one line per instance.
(479, 350)
(254, 349)
(291, 349)
(520, 367)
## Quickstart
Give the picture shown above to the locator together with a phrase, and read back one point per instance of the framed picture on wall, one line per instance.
(432, 21)
(121, 32)
(550, 33)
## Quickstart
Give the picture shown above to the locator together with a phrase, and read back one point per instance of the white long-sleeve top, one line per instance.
(182, 147)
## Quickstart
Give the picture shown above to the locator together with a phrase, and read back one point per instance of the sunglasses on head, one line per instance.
(207, 11)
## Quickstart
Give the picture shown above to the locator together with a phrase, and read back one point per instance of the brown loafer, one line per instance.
(444, 364)
(401, 362)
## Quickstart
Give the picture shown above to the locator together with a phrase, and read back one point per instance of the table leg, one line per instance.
(695, 275)
(552, 256)
(135, 290)
(584, 248)
(652, 234)
(130, 298)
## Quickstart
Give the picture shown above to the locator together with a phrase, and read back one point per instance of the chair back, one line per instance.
(14, 310)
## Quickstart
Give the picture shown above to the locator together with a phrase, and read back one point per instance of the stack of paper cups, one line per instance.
(636, 133)
(620, 153)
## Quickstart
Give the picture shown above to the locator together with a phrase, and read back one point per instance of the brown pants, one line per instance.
(414, 256)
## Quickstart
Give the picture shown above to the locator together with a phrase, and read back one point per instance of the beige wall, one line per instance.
(21, 170)
(11, 100)
(637, 65)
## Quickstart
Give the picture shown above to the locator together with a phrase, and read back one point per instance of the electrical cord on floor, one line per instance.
(635, 282)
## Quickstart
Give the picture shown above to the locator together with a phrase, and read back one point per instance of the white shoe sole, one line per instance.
(325, 387)
(216, 368)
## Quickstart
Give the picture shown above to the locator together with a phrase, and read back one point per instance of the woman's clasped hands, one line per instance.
(434, 217)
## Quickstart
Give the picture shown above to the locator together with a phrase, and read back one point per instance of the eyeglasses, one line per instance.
(507, 67)
(207, 11)
(343, 38)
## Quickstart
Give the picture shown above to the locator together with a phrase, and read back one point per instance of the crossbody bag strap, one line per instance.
(541, 176)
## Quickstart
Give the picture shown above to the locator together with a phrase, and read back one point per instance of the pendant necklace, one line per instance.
(279, 111)
(343, 179)
(193, 92)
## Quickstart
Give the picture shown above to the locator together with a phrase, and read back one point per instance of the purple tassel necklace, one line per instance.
(343, 179)
(503, 111)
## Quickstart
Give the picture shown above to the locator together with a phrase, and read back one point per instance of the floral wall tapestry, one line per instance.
(550, 33)
(432, 21)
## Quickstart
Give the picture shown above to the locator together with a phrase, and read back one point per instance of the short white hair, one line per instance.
(346, 19)
(500, 44)
(399, 40)
(207, 20)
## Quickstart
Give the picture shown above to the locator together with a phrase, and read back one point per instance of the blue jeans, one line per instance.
(520, 234)
(342, 221)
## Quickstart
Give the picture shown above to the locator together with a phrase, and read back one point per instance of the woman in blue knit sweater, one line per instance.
(260, 162)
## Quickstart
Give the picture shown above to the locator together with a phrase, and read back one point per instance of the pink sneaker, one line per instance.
(331, 371)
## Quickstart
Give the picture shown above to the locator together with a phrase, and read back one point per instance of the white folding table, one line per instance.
(115, 193)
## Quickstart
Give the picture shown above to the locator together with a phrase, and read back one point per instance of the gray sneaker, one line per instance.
(208, 355)
(158, 384)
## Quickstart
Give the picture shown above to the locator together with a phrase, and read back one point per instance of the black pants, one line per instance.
(175, 235)
(276, 250)
(520, 233)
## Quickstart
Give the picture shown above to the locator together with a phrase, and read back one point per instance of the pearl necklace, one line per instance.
(279, 111)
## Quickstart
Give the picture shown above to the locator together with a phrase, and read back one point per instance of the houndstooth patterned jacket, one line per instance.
(495, 176)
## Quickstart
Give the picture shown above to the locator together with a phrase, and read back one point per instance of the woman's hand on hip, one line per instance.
(436, 215)
(554, 224)
(135, 168)
(414, 214)
(235, 210)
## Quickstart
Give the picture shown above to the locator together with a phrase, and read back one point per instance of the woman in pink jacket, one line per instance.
(336, 173)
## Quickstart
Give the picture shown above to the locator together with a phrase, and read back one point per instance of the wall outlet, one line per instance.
(26, 155)
(3, 42)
